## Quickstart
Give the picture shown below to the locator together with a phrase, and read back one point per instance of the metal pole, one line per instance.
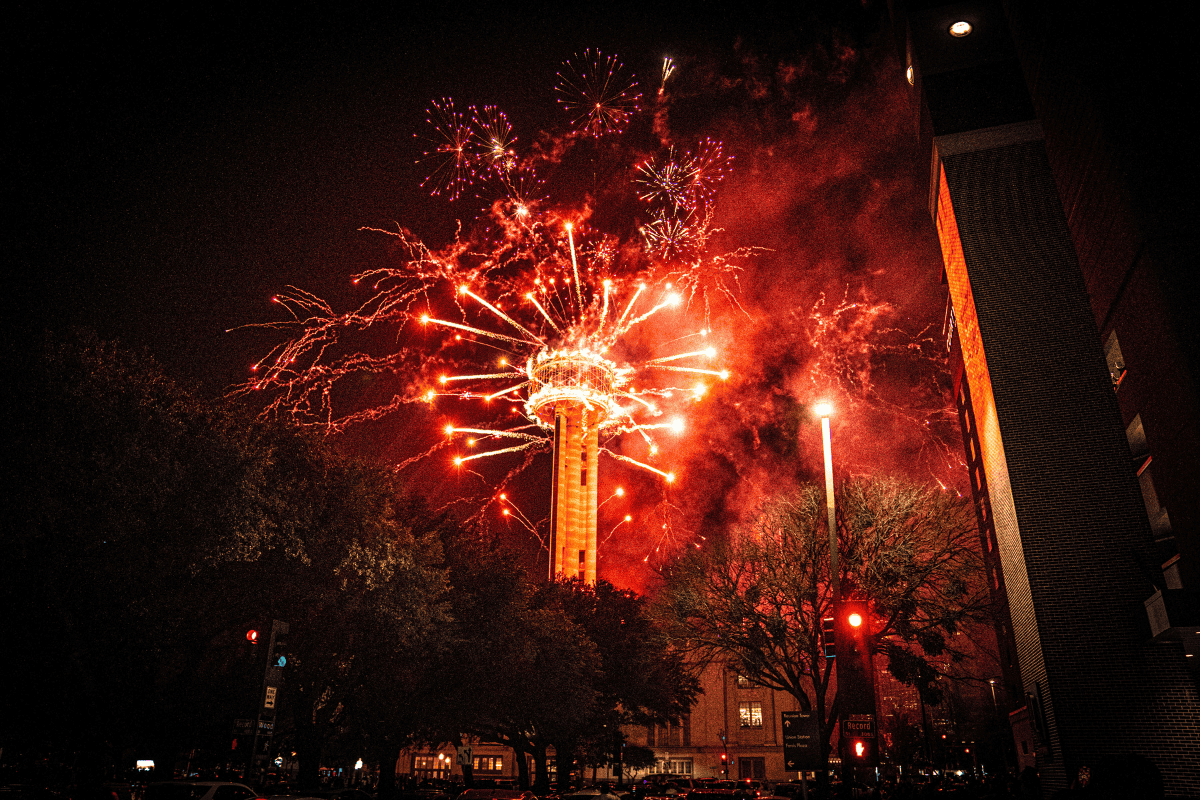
(835, 580)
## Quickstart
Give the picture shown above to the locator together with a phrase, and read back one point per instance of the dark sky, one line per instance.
(176, 167)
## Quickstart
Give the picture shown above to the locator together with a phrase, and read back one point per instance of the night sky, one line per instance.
(176, 168)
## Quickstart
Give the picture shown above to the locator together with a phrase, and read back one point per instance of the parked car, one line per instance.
(349, 793)
(199, 790)
(494, 793)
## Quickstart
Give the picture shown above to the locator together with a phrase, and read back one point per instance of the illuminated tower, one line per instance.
(573, 390)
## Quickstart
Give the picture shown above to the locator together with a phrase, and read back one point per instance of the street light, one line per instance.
(824, 410)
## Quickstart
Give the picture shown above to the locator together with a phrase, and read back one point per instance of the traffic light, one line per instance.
(279, 653)
(252, 636)
(856, 681)
(861, 751)
(278, 657)
(855, 676)
(724, 763)
(829, 636)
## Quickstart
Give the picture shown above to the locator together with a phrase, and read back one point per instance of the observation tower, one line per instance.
(572, 397)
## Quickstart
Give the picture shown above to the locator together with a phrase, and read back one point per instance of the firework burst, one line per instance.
(594, 89)
(493, 139)
(529, 308)
(450, 150)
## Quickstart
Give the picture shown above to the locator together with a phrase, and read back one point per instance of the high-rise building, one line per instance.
(1053, 154)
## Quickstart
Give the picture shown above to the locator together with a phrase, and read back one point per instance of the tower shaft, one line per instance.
(576, 451)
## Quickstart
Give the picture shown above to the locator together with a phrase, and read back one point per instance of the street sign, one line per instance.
(860, 725)
(269, 701)
(801, 741)
(464, 756)
(243, 727)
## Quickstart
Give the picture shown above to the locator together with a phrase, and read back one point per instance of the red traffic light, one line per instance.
(724, 756)
(252, 636)
(855, 620)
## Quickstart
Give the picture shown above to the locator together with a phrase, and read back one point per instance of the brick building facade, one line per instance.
(1058, 250)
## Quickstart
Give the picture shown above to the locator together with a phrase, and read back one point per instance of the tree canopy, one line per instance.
(150, 530)
(756, 600)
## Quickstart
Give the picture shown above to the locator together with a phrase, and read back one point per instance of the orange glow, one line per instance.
(859, 749)
(855, 620)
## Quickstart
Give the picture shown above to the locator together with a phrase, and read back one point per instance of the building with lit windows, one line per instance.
(1052, 136)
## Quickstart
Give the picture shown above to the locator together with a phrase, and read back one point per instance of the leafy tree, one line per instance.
(149, 530)
(132, 503)
(642, 681)
(364, 603)
(756, 600)
(515, 672)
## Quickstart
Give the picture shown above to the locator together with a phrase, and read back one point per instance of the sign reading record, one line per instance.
(860, 725)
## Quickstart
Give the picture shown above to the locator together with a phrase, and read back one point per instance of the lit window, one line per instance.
(1116, 361)
(750, 714)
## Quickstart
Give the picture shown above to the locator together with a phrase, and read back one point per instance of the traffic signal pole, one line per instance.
(856, 686)
(264, 728)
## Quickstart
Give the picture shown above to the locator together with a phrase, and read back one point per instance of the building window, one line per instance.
(750, 714)
(1116, 361)
(752, 769)
(744, 683)
(489, 763)
(431, 767)
(672, 766)
(671, 734)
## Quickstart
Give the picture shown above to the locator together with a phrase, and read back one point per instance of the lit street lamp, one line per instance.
(824, 411)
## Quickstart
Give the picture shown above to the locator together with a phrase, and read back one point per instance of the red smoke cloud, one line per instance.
(842, 301)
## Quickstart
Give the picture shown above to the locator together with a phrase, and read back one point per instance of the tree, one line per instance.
(132, 505)
(149, 530)
(756, 599)
(366, 600)
(643, 681)
(515, 671)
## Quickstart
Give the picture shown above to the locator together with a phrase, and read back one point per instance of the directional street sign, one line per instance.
(801, 741)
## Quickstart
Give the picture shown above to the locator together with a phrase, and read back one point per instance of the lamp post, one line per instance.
(824, 411)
